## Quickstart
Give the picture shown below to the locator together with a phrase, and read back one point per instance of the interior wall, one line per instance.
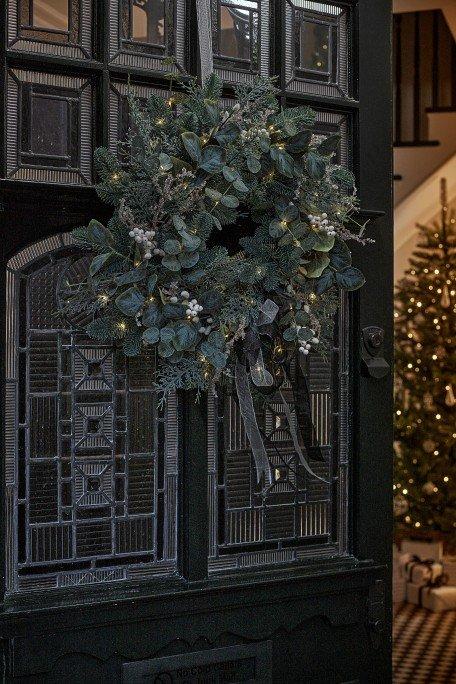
(423, 168)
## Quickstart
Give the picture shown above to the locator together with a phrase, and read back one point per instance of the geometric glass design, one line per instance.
(301, 514)
(142, 33)
(49, 121)
(240, 38)
(316, 48)
(91, 461)
(57, 27)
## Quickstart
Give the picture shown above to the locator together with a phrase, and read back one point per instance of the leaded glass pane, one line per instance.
(50, 14)
(303, 513)
(144, 33)
(240, 38)
(148, 21)
(62, 28)
(91, 461)
(49, 123)
(316, 47)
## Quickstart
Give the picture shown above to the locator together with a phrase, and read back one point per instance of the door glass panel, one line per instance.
(148, 21)
(240, 38)
(50, 14)
(92, 461)
(316, 47)
(303, 513)
(313, 53)
(49, 126)
(235, 31)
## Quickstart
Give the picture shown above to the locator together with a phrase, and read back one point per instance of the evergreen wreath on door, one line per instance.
(258, 174)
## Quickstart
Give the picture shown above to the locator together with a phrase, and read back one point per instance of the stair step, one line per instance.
(417, 143)
(440, 110)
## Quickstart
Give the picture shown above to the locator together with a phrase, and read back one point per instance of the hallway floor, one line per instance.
(424, 650)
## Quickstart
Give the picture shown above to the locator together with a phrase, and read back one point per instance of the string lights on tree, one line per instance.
(425, 452)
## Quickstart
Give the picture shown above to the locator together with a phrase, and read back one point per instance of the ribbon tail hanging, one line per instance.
(294, 437)
(203, 15)
(247, 409)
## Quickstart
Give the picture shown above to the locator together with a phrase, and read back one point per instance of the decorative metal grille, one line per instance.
(299, 516)
(240, 38)
(316, 48)
(49, 127)
(143, 33)
(62, 28)
(91, 464)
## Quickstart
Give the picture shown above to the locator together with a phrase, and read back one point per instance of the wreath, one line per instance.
(227, 247)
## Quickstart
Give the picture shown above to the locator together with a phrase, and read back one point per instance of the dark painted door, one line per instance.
(135, 546)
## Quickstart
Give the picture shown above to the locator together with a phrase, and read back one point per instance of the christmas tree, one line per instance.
(425, 435)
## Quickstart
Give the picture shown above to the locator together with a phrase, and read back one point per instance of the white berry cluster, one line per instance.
(305, 347)
(322, 223)
(205, 330)
(144, 238)
(193, 308)
(254, 133)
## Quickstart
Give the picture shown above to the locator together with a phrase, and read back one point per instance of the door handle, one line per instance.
(373, 362)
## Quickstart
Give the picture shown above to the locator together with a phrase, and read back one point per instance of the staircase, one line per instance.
(424, 119)
(424, 98)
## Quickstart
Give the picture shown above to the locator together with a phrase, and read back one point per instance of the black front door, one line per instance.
(135, 544)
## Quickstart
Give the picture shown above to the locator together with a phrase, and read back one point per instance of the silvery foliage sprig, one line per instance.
(194, 173)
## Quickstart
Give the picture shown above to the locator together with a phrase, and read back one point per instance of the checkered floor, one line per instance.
(424, 646)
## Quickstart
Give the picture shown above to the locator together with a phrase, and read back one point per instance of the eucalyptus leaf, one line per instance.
(350, 278)
(190, 242)
(193, 145)
(130, 301)
(253, 164)
(290, 334)
(240, 186)
(178, 222)
(307, 242)
(323, 242)
(299, 143)
(98, 262)
(211, 301)
(152, 281)
(214, 195)
(230, 174)
(188, 259)
(229, 201)
(166, 334)
(213, 159)
(172, 247)
(132, 276)
(165, 350)
(166, 163)
(173, 312)
(227, 134)
(325, 281)
(340, 256)
(152, 315)
(151, 335)
(315, 165)
(317, 266)
(185, 336)
(171, 263)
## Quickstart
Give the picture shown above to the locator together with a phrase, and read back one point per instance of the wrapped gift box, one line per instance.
(423, 549)
(449, 568)
(439, 599)
(420, 572)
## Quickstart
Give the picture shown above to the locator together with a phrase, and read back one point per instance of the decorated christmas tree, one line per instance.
(425, 438)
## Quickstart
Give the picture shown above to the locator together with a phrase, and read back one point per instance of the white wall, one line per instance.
(418, 196)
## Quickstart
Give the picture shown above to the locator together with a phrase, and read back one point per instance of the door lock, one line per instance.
(373, 362)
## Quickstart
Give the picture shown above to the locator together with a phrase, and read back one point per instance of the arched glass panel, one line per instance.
(91, 462)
